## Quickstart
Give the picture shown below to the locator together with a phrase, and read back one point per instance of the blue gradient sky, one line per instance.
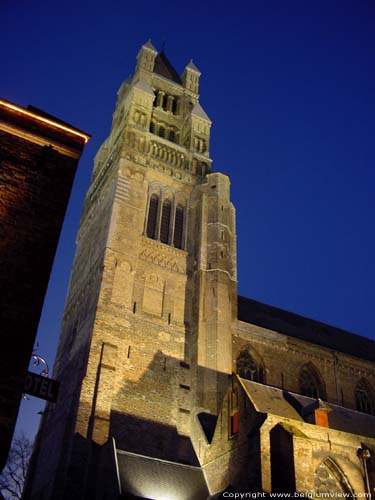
(289, 86)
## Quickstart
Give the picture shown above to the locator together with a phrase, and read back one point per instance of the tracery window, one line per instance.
(309, 382)
(152, 216)
(329, 481)
(364, 399)
(247, 368)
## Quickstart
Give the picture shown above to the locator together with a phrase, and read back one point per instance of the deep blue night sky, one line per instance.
(289, 87)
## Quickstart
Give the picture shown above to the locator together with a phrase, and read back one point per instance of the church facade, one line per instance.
(172, 385)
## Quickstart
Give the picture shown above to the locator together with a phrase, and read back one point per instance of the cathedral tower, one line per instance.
(147, 329)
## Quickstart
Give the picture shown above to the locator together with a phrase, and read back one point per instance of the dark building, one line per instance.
(39, 155)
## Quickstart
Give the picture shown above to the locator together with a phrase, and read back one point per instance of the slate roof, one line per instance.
(164, 68)
(141, 476)
(278, 320)
(266, 399)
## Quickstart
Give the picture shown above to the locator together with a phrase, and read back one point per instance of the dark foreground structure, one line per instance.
(38, 160)
(172, 386)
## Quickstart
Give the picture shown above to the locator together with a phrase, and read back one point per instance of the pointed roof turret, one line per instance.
(148, 45)
(190, 77)
(146, 57)
(164, 68)
(193, 67)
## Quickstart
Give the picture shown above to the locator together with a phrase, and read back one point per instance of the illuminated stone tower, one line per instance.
(149, 406)
(147, 327)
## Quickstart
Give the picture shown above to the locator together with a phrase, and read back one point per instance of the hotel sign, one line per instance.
(41, 387)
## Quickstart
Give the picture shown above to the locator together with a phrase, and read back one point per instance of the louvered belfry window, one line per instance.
(178, 227)
(165, 222)
(152, 215)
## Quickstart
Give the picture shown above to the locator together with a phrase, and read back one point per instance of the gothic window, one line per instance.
(172, 136)
(178, 227)
(152, 215)
(310, 383)
(165, 222)
(329, 481)
(364, 400)
(152, 127)
(247, 368)
(162, 132)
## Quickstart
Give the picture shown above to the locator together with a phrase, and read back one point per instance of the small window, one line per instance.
(152, 128)
(178, 227)
(247, 368)
(364, 398)
(162, 132)
(152, 215)
(165, 222)
(309, 382)
(165, 102)
(174, 106)
(172, 136)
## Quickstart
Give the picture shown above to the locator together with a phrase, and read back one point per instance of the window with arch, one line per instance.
(247, 368)
(178, 227)
(330, 481)
(165, 221)
(364, 398)
(152, 217)
(172, 136)
(310, 384)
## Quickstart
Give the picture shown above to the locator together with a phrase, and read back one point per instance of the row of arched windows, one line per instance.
(310, 381)
(166, 102)
(165, 222)
(164, 131)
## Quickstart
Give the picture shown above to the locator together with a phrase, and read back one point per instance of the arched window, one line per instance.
(174, 105)
(329, 481)
(165, 222)
(310, 382)
(364, 399)
(152, 215)
(178, 227)
(247, 368)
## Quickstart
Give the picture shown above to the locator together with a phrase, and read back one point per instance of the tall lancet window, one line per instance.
(178, 227)
(152, 215)
(165, 221)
